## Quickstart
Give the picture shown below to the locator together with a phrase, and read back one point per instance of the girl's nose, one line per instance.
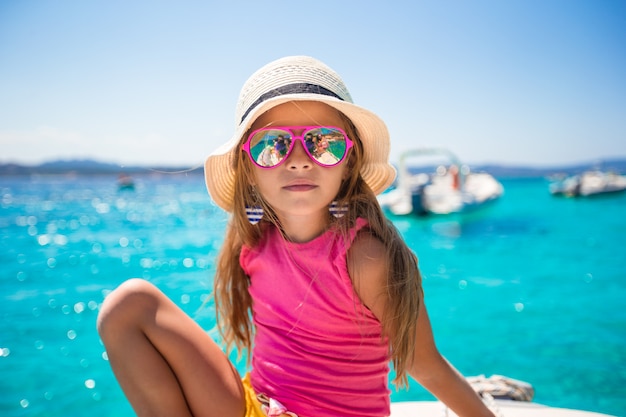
(298, 158)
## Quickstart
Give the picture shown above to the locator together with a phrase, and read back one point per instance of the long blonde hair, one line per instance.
(404, 285)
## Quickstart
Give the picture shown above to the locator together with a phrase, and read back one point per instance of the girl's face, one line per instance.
(300, 189)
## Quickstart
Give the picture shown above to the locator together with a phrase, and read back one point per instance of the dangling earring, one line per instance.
(338, 210)
(254, 214)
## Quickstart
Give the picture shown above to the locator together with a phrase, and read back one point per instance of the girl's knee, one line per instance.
(125, 305)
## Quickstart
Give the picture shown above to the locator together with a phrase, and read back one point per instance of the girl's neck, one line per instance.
(302, 229)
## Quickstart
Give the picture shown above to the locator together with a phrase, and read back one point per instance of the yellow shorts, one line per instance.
(255, 403)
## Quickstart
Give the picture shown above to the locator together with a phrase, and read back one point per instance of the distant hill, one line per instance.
(616, 165)
(517, 171)
(91, 167)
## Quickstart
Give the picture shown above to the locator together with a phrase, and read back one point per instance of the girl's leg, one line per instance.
(164, 361)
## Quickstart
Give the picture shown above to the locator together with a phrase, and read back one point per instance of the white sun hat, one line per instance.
(298, 78)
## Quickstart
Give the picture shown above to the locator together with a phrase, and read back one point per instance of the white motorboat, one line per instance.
(452, 188)
(589, 183)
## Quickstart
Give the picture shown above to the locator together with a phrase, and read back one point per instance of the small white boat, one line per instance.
(589, 183)
(505, 397)
(451, 189)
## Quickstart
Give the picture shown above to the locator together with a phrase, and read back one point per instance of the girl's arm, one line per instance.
(439, 377)
(368, 269)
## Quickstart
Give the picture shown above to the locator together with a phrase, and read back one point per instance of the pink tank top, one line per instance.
(317, 348)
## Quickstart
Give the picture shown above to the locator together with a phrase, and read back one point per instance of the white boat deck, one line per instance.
(502, 408)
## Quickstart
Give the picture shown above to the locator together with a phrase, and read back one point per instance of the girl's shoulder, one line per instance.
(367, 265)
(367, 251)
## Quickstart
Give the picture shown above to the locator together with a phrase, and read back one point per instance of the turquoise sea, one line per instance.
(532, 287)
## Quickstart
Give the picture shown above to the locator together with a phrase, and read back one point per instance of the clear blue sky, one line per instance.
(534, 82)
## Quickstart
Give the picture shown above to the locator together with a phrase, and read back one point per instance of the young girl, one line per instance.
(312, 281)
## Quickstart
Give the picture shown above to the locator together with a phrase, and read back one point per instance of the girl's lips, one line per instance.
(299, 184)
(299, 187)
